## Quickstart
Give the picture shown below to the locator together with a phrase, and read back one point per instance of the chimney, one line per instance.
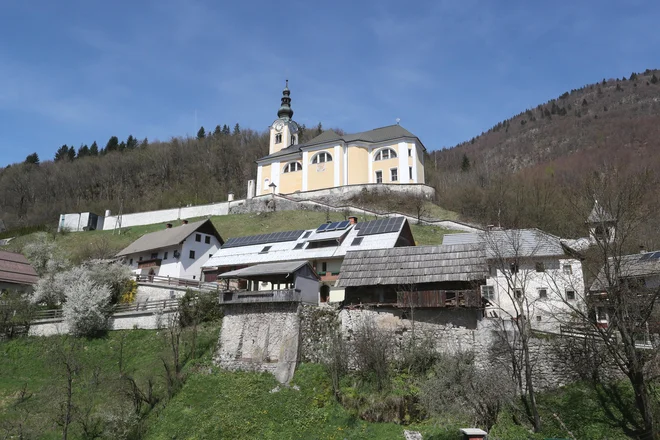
(642, 249)
(185, 222)
(168, 226)
(353, 220)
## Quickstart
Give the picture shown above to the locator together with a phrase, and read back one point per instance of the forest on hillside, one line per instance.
(133, 176)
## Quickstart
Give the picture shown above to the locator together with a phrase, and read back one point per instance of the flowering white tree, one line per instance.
(45, 256)
(86, 308)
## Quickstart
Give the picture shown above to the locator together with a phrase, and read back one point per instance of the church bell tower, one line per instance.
(284, 130)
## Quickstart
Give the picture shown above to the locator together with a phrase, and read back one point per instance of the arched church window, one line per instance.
(321, 157)
(292, 167)
(278, 138)
(385, 153)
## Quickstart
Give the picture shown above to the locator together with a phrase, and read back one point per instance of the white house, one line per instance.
(530, 273)
(176, 252)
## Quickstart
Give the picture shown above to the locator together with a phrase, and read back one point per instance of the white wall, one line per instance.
(166, 215)
(168, 267)
(554, 309)
(192, 268)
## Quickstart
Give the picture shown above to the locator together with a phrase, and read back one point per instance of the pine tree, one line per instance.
(217, 131)
(94, 149)
(226, 130)
(71, 154)
(319, 129)
(237, 129)
(112, 145)
(62, 153)
(144, 143)
(32, 159)
(654, 79)
(633, 76)
(465, 164)
(83, 151)
(201, 133)
(584, 102)
(131, 142)
(122, 146)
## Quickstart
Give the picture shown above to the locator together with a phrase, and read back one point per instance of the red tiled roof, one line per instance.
(15, 269)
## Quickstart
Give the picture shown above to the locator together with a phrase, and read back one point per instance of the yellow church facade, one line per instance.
(386, 155)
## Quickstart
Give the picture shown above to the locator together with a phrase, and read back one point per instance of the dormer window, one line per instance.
(321, 157)
(385, 153)
(278, 138)
(292, 167)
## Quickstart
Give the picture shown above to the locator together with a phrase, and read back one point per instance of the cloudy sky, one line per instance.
(72, 72)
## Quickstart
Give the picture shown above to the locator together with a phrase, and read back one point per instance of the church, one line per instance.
(388, 155)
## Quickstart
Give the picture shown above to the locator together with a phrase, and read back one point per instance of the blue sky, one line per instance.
(72, 72)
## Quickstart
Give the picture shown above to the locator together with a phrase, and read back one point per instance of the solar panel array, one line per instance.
(650, 256)
(383, 226)
(275, 237)
(334, 226)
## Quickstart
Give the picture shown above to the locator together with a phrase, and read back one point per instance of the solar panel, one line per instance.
(655, 256)
(332, 226)
(383, 226)
(646, 257)
(343, 225)
(322, 227)
(274, 237)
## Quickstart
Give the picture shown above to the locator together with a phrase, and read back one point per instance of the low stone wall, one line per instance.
(343, 193)
(260, 337)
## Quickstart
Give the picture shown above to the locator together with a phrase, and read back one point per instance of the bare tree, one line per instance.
(65, 356)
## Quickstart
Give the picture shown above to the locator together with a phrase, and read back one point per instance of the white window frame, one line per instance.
(381, 176)
(287, 168)
(539, 293)
(567, 269)
(490, 294)
(327, 157)
(391, 154)
(394, 171)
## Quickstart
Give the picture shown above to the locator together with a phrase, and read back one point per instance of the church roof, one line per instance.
(376, 135)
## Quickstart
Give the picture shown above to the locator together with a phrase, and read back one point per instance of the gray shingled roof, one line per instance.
(266, 269)
(166, 238)
(412, 265)
(630, 266)
(15, 269)
(376, 135)
(511, 243)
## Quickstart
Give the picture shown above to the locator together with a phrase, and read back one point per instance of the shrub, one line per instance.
(86, 308)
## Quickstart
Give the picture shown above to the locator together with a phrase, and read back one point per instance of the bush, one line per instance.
(86, 308)
(197, 307)
(15, 314)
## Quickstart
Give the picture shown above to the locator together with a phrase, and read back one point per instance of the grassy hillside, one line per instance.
(81, 245)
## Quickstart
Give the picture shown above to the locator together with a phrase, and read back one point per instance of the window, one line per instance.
(299, 246)
(410, 173)
(357, 241)
(568, 269)
(409, 152)
(192, 255)
(385, 153)
(278, 138)
(198, 237)
(292, 167)
(165, 255)
(324, 267)
(488, 292)
(130, 262)
(394, 175)
(570, 295)
(379, 177)
(265, 249)
(154, 255)
(518, 293)
(307, 234)
(540, 267)
(543, 293)
(207, 239)
(538, 317)
(210, 255)
(293, 140)
(321, 157)
(513, 267)
(140, 259)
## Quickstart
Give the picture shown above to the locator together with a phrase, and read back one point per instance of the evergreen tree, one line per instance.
(319, 129)
(71, 154)
(62, 153)
(237, 129)
(465, 164)
(32, 159)
(654, 79)
(83, 151)
(131, 142)
(144, 143)
(633, 76)
(94, 149)
(225, 129)
(217, 131)
(112, 145)
(584, 102)
(201, 133)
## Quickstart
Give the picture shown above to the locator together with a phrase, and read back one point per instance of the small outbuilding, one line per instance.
(290, 281)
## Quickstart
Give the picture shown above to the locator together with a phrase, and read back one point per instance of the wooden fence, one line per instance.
(143, 306)
(177, 282)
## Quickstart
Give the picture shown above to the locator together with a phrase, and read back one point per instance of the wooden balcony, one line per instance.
(261, 296)
(440, 298)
